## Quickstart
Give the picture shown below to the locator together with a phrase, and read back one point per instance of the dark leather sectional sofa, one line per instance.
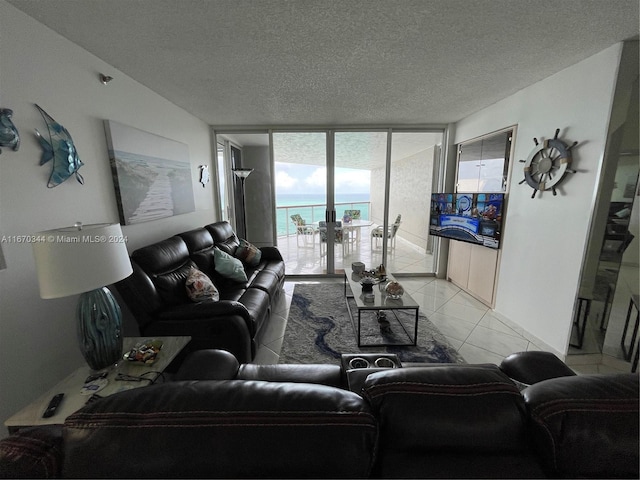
(220, 419)
(156, 295)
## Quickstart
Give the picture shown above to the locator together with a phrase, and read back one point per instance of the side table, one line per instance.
(73, 401)
(634, 301)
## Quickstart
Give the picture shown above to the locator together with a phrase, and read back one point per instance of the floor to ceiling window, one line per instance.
(346, 195)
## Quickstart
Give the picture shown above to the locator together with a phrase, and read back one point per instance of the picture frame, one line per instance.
(151, 174)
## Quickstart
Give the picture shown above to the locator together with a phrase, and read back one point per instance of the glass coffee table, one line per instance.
(378, 305)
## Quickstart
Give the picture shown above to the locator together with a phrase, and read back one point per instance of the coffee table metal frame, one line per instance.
(380, 302)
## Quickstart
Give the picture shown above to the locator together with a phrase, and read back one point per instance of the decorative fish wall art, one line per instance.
(59, 148)
(9, 136)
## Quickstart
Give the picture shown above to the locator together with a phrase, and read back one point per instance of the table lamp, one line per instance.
(84, 260)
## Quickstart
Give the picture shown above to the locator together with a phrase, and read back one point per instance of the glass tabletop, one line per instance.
(380, 299)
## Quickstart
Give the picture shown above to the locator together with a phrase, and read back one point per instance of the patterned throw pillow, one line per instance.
(200, 288)
(249, 254)
(229, 267)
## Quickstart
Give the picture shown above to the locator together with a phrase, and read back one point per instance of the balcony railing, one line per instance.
(315, 212)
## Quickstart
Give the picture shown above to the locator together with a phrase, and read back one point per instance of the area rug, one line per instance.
(319, 330)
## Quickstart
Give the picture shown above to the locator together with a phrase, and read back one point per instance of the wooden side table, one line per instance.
(73, 401)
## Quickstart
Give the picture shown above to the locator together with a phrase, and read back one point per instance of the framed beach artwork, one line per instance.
(151, 174)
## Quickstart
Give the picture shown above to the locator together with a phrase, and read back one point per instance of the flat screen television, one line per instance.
(468, 217)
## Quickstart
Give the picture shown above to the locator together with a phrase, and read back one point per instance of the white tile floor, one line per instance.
(307, 258)
(469, 325)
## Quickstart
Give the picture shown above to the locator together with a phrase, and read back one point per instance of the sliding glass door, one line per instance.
(348, 195)
(303, 198)
(360, 156)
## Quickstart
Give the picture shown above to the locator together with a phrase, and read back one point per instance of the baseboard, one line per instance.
(529, 336)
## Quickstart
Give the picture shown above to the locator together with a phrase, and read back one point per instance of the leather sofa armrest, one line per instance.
(271, 253)
(533, 367)
(586, 426)
(225, 325)
(34, 452)
(210, 364)
(319, 374)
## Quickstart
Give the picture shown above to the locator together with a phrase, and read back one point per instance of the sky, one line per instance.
(312, 179)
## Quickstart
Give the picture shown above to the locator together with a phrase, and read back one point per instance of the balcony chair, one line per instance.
(353, 234)
(353, 214)
(378, 233)
(339, 236)
(303, 230)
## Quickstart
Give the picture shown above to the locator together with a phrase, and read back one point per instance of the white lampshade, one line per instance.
(79, 259)
(242, 172)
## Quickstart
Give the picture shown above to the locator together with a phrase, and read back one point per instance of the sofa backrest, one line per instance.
(450, 421)
(586, 426)
(222, 429)
(224, 237)
(197, 240)
(167, 264)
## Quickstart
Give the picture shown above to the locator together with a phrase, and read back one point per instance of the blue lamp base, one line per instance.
(99, 328)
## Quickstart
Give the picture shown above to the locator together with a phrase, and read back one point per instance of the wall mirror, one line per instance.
(610, 275)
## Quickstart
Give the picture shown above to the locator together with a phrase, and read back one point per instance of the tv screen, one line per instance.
(468, 217)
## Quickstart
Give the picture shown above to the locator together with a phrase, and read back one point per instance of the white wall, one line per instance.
(37, 337)
(409, 195)
(545, 238)
(259, 196)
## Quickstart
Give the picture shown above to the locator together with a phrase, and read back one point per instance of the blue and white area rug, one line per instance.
(319, 330)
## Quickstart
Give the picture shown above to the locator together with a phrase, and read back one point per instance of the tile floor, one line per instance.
(308, 258)
(468, 324)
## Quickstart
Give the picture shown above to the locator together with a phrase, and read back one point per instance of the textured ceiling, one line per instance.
(359, 150)
(337, 62)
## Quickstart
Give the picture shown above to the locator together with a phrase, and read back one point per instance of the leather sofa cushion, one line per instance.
(222, 429)
(224, 237)
(163, 256)
(450, 421)
(586, 425)
(167, 263)
(457, 406)
(197, 240)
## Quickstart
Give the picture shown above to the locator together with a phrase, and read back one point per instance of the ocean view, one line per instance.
(315, 206)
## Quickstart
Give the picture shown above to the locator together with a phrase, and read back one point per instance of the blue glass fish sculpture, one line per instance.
(61, 150)
(9, 136)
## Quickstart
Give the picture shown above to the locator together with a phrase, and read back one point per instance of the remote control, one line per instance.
(53, 405)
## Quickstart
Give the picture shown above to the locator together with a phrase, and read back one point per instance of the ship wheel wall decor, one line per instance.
(547, 164)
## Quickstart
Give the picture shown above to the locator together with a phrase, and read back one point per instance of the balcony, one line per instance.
(307, 258)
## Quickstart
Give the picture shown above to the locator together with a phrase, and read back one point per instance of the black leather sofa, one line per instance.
(156, 295)
(268, 421)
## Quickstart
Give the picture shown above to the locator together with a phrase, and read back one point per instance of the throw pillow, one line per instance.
(200, 288)
(229, 267)
(249, 254)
